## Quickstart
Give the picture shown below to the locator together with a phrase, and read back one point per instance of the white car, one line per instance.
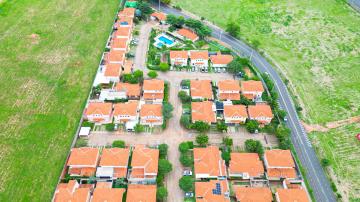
(187, 173)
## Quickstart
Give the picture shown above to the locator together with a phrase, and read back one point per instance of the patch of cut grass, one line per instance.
(49, 53)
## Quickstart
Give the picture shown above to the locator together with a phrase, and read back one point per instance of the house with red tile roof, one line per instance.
(119, 44)
(201, 89)
(128, 67)
(83, 161)
(291, 195)
(279, 164)
(235, 114)
(203, 111)
(71, 191)
(126, 112)
(99, 112)
(151, 115)
(141, 193)
(112, 72)
(127, 12)
(102, 194)
(124, 22)
(221, 61)
(179, 58)
(199, 59)
(144, 165)
(208, 163)
(246, 166)
(115, 57)
(122, 33)
(229, 90)
(262, 113)
(128, 90)
(212, 191)
(252, 90)
(159, 16)
(252, 194)
(113, 163)
(153, 90)
(187, 34)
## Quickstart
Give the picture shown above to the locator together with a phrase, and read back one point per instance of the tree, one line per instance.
(186, 183)
(202, 139)
(186, 160)
(163, 149)
(227, 141)
(184, 147)
(139, 128)
(164, 67)
(167, 110)
(325, 162)
(110, 127)
(118, 144)
(221, 126)
(145, 9)
(184, 97)
(164, 167)
(281, 113)
(237, 65)
(252, 126)
(256, 43)
(233, 29)
(138, 74)
(185, 121)
(200, 126)
(152, 74)
(254, 146)
(201, 30)
(161, 193)
(166, 1)
(174, 21)
(225, 155)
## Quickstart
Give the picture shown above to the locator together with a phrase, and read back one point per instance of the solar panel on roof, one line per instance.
(124, 23)
(217, 190)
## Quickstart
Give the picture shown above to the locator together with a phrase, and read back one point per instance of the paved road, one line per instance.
(314, 172)
(355, 4)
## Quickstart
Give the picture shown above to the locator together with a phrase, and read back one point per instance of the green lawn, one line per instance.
(342, 148)
(316, 43)
(49, 52)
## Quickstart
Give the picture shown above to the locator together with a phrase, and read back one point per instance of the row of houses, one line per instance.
(114, 62)
(144, 104)
(106, 165)
(199, 59)
(278, 166)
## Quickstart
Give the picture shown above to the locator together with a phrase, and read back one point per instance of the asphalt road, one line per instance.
(314, 172)
(355, 4)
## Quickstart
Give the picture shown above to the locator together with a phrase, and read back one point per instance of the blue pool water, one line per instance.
(166, 40)
(159, 44)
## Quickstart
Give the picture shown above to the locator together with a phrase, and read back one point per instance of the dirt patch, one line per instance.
(330, 125)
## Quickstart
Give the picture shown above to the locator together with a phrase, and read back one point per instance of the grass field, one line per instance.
(342, 149)
(316, 45)
(49, 52)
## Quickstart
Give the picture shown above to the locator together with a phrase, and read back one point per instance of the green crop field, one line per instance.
(342, 149)
(315, 44)
(49, 52)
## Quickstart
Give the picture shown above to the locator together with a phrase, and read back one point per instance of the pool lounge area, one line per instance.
(164, 39)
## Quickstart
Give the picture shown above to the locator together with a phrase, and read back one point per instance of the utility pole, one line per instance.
(159, 5)
(220, 34)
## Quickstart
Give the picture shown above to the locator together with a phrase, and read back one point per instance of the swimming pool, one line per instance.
(164, 40)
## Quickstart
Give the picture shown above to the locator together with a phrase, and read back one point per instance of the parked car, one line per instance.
(189, 194)
(187, 173)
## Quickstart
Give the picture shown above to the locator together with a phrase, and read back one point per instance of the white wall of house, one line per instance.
(179, 61)
(124, 118)
(144, 120)
(95, 117)
(262, 119)
(199, 63)
(111, 94)
(219, 65)
(256, 94)
(235, 119)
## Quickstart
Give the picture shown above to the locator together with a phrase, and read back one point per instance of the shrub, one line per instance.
(202, 139)
(152, 74)
(164, 67)
(227, 141)
(139, 128)
(110, 127)
(200, 126)
(185, 121)
(252, 126)
(163, 150)
(184, 97)
(118, 144)
(184, 147)
(325, 162)
(167, 110)
(233, 29)
(225, 155)
(186, 160)
(254, 146)
(161, 193)
(87, 124)
(221, 126)
(164, 167)
(186, 183)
